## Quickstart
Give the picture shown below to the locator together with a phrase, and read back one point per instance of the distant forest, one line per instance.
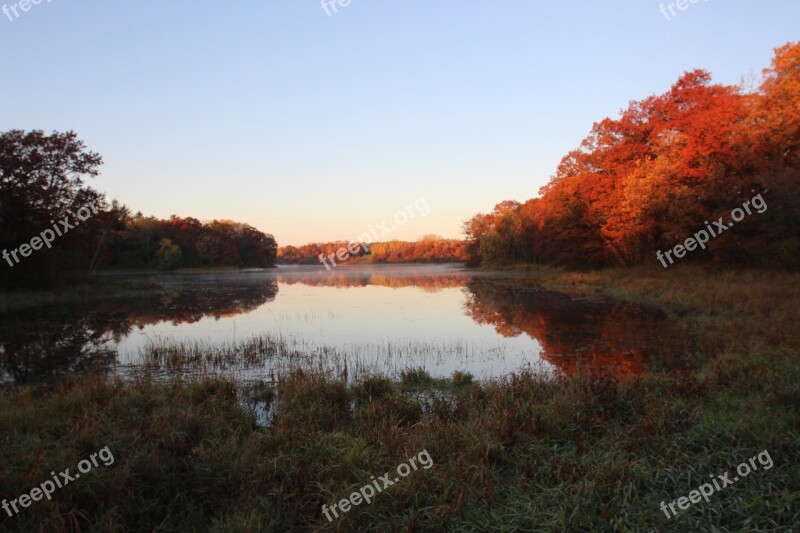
(664, 169)
(147, 242)
(428, 249)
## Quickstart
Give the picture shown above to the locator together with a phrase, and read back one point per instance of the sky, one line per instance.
(316, 127)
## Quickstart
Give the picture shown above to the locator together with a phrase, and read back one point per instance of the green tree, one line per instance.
(169, 255)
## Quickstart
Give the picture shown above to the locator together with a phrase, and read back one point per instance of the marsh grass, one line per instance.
(522, 452)
(267, 356)
(526, 452)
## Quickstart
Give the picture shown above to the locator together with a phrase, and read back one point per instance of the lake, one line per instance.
(353, 320)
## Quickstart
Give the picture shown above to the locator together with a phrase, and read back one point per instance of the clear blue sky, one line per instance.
(313, 127)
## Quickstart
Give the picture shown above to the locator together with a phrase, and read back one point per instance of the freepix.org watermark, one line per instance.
(720, 482)
(47, 237)
(367, 492)
(419, 207)
(702, 237)
(682, 5)
(47, 488)
(330, 5)
(22, 5)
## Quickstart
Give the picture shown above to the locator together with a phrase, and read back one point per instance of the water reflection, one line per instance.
(441, 317)
(576, 334)
(427, 278)
(52, 340)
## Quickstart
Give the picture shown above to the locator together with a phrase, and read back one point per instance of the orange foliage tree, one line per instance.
(652, 177)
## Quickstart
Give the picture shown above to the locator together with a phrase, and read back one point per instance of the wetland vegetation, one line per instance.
(582, 448)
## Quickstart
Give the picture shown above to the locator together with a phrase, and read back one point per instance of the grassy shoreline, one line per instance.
(519, 453)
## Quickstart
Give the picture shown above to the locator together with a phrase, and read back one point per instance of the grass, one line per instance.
(521, 453)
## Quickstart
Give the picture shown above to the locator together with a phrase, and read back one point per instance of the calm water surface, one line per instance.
(372, 318)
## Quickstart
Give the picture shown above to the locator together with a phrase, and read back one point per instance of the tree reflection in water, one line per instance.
(54, 340)
(594, 337)
(576, 334)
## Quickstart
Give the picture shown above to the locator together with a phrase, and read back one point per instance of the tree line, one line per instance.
(637, 184)
(428, 249)
(663, 169)
(43, 188)
(148, 242)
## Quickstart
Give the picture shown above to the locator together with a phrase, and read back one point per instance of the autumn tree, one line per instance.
(655, 175)
(772, 135)
(42, 180)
